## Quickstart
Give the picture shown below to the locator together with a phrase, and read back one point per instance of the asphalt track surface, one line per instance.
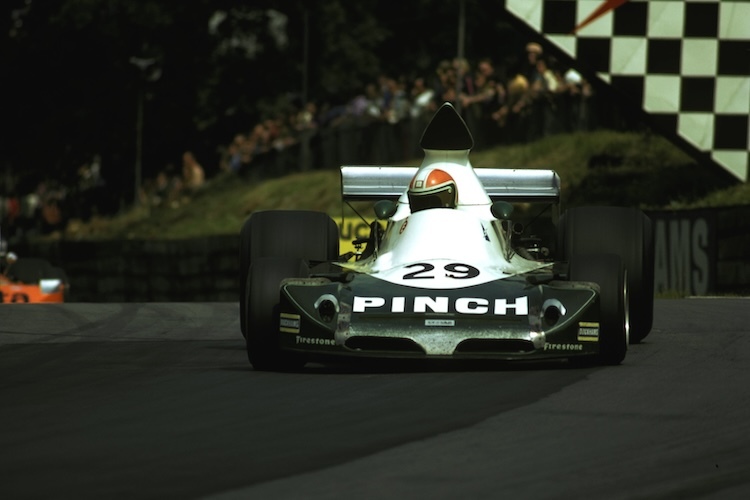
(158, 401)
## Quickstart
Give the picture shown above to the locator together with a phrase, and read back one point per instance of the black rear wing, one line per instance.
(372, 183)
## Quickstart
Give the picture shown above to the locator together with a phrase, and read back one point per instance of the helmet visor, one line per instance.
(442, 197)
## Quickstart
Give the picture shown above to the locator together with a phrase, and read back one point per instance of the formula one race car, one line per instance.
(30, 280)
(452, 273)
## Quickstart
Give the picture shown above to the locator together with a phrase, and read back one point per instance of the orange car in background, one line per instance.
(31, 280)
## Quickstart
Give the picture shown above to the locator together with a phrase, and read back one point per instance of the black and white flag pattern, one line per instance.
(684, 62)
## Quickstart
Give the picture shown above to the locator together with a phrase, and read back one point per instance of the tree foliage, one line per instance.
(72, 88)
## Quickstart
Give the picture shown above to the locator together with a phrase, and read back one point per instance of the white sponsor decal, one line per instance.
(315, 341)
(439, 322)
(425, 304)
(289, 323)
(472, 306)
(563, 347)
(588, 332)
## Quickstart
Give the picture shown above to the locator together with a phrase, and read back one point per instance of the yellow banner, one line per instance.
(351, 229)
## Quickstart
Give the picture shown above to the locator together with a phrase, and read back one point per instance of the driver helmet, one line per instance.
(432, 188)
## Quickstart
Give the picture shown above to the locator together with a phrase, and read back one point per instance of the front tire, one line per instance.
(261, 305)
(608, 272)
(626, 232)
(303, 234)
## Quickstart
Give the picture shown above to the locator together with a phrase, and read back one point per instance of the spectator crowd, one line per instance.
(382, 124)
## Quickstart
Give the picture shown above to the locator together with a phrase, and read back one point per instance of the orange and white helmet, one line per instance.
(432, 188)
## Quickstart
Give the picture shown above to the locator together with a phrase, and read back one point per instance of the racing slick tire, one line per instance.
(302, 234)
(608, 272)
(261, 305)
(626, 232)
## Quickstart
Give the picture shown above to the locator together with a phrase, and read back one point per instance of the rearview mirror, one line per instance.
(384, 209)
(502, 210)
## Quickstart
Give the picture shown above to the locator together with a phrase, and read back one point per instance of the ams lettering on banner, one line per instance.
(683, 251)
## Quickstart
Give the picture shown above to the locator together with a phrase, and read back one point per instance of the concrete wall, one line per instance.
(698, 252)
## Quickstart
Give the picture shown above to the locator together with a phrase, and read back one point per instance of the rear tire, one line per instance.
(261, 307)
(608, 272)
(303, 234)
(626, 232)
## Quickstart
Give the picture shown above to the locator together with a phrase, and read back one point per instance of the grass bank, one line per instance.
(602, 167)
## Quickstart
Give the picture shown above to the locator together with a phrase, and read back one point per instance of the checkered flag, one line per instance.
(684, 62)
